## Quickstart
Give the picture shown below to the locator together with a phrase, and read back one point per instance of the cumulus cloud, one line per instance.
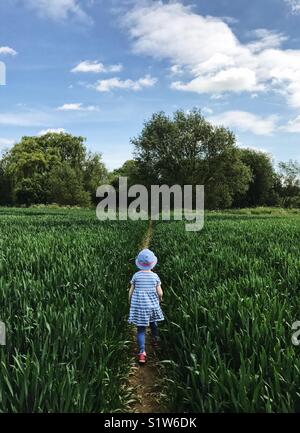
(6, 142)
(292, 126)
(52, 130)
(264, 39)
(232, 79)
(59, 10)
(230, 20)
(96, 67)
(27, 118)
(214, 59)
(176, 70)
(246, 121)
(77, 107)
(207, 110)
(294, 5)
(8, 51)
(117, 83)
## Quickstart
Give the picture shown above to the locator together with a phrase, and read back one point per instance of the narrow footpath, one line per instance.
(144, 380)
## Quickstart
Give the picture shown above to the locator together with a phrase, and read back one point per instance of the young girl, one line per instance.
(145, 294)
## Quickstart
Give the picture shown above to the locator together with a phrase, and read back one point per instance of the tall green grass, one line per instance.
(231, 296)
(63, 280)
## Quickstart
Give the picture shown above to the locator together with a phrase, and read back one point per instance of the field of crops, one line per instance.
(63, 280)
(231, 295)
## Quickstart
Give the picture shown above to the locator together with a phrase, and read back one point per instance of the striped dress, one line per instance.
(144, 306)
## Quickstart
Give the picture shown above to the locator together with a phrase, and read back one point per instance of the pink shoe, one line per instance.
(142, 358)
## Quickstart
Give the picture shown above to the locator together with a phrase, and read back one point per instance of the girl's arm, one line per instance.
(130, 292)
(159, 292)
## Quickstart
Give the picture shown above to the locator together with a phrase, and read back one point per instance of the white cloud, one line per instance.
(96, 67)
(292, 126)
(176, 70)
(214, 59)
(245, 121)
(28, 118)
(207, 110)
(8, 51)
(230, 20)
(59, 9)
(77, 107)
(52, 130)
(217, 96)
(116, 83)
(294, 5)
(265, 39)
(233, 79)
(6, 142)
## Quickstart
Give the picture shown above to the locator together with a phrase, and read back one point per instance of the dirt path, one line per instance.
(144, 380)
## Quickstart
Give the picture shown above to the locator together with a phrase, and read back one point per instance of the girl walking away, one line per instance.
(145, 295)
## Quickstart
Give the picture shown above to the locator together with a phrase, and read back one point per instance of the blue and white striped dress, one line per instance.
(144, 306)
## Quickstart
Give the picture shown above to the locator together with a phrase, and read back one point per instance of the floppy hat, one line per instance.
(146, 260)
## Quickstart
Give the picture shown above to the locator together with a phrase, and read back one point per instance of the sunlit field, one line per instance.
(230, 298)
(63, 299)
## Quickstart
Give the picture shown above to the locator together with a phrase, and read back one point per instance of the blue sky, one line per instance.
(100, 68)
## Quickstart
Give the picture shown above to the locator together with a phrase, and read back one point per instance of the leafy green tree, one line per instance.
(289, 175)
(94, 174)
(6, 187)
(261, 187)
(187, 149)
(69, 148)
(31, 190)
(129, 169)
(66, 186)
(28, 168)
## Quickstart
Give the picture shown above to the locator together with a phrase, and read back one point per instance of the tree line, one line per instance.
(183, 149)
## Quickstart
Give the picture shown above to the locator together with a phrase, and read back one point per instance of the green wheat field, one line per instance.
(231, 295)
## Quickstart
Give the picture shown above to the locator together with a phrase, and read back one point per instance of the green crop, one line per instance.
(231, 296)
(63, 280)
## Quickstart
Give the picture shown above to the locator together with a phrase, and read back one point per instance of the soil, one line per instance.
(144, 379)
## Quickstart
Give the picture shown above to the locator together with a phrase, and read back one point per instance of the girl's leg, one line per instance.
(140, 338)
(154, 329)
